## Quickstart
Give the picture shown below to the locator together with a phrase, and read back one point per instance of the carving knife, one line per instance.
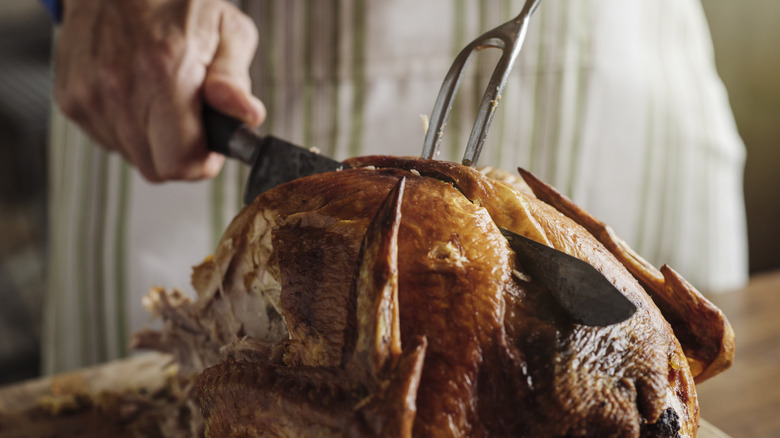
(273, 161)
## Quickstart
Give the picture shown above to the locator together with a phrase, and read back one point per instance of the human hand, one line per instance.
(134, 73)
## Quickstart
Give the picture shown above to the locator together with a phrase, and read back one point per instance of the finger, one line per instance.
(176, 139)
(227, 86)
(120, 114)
(133, 144)
(222, 78)
(79, 103)
(166, 105)
(226, 96)
(107, 120)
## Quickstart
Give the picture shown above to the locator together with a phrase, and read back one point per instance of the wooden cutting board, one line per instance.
(116, 399)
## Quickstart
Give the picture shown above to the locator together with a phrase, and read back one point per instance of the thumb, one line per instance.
(227, 86)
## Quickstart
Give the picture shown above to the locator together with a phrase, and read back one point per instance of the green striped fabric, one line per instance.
(616, 103)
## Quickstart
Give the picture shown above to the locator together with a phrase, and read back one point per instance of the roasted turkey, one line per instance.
(383, 300)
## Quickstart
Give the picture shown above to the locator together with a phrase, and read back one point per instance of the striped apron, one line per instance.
(614, 102)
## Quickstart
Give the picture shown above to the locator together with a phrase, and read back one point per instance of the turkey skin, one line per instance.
(383, 300)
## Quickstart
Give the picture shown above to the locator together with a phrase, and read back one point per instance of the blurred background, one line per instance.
(25, 88)
(745, 36)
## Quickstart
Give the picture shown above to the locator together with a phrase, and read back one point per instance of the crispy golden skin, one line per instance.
(384, 301)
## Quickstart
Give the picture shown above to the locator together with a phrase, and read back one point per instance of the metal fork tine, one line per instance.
(443, 105)
(487, 108)
(509, 38)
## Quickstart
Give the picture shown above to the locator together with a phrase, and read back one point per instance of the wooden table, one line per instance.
(745, 400)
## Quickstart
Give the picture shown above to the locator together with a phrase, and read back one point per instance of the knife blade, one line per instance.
(583, 292)
(273, 161)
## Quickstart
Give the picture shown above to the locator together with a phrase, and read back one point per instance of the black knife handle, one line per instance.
(229, 136)
(219, 128)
